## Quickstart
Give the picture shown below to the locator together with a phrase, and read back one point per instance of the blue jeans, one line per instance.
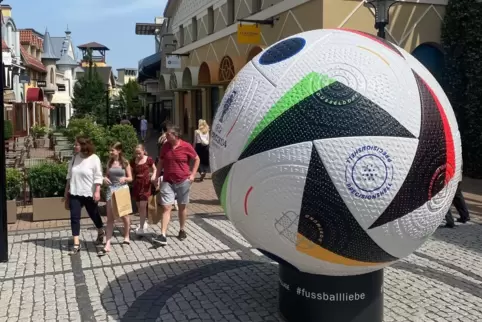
(76, 203)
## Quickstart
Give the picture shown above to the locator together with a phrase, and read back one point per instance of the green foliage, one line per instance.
(48, 179)
(14, 183)
(129, 98)
(87, 127)
(462, 81)
(90, 96)
(7, 129)
(38, 131)
(126, 135)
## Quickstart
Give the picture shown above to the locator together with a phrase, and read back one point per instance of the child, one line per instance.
(118, 174)
(142, 165)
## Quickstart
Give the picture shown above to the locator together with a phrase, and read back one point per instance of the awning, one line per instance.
(149, 66)
(9, 95)
(35, 94)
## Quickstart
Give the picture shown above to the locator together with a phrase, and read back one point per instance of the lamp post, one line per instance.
(382, 14)
(3, 192)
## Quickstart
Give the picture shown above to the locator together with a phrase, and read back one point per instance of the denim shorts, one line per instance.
(111, 189)
(172, 191)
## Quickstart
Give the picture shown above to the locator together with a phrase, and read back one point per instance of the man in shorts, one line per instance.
(174, 159)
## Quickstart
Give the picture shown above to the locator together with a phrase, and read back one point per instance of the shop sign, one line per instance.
(249, 34)
(24, 79)
(41, 83)
(61, 87)
(173, 61)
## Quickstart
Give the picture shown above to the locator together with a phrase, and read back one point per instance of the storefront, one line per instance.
(215, 56)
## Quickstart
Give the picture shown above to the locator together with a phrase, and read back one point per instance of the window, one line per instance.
(231, 15)
(256, 6)
(210, 20)
(52, 76)
(181, 36)
(194, 29)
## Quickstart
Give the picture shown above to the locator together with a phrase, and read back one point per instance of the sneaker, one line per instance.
(182, 235)
(160, 240)
(141, 231)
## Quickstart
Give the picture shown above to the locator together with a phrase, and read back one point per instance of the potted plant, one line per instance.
(14, 181)
(47, 183)
(7, 132)
(38, 132)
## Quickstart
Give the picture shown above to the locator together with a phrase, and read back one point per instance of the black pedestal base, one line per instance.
(309, 298)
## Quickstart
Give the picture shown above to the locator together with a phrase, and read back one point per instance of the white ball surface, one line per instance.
(336, 152)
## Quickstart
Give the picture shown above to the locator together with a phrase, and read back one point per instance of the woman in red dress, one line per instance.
(142, 165)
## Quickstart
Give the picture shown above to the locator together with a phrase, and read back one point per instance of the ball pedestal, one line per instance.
(309, 298)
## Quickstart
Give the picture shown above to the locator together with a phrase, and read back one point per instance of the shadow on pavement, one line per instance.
(226, 290)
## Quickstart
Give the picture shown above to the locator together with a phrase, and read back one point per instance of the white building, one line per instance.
(59, 58)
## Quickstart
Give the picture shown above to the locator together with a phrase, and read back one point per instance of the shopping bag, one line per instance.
(154, 212)
(121, 202)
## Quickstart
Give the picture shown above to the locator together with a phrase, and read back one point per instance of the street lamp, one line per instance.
(382, 14)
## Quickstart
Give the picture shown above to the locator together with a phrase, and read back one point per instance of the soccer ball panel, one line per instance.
(238, 112)
(367, 171)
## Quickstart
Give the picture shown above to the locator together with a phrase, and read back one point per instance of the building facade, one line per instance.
(205, 33)
(13, 90)
(37, 108)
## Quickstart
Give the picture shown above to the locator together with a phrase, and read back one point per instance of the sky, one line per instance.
(108, 22)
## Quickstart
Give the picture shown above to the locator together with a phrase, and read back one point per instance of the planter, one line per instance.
(39, 143)
(51, 209)
(11, 211)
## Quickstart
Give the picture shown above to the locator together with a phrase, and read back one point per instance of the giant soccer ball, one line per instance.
(336, 152)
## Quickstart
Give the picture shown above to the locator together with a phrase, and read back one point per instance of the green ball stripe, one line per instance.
(309, 85)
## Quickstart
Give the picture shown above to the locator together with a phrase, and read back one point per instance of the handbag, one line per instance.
(67, 199)
(121, 202)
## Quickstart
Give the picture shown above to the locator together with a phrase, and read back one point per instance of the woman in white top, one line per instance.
(201, 145)
(84, 179)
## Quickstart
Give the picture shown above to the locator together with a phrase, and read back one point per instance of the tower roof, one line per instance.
(48, 50)
(66, 60)
(93, 45)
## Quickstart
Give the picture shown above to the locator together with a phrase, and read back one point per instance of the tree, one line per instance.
(89, 94)
(462, 82)
(129, 98)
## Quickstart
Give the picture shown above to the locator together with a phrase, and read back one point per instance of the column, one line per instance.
(177, 109)
(221, 93)
(204, 100)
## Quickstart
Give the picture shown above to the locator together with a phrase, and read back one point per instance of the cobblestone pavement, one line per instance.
(214, 275)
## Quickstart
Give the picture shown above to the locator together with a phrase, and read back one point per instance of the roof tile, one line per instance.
(32, 62)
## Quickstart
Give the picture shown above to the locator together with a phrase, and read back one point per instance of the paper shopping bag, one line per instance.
(121, 202)
(154, 212)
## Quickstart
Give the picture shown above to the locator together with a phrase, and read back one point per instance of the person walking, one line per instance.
(144, 126)
(160, 142)
(84, 178)
(174, 159)
(201, 145)
(143, 180)
(461, 206)
(118, 174)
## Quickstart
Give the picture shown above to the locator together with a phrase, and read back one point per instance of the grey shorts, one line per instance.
(172, 191)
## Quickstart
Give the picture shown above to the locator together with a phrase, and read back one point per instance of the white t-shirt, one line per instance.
(144, 125)
(201, 138)
(84, 174)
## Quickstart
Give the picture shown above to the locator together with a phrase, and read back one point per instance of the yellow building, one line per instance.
(207, 31)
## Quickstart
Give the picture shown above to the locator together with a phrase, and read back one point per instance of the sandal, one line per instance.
(100, 237)
(126, 242)
(75, 249)
(102, 252)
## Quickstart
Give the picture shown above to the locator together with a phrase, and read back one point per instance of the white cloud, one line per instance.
(89, 10)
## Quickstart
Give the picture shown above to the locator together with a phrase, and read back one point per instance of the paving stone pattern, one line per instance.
(214, 275)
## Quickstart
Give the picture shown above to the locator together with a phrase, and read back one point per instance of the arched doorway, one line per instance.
(186, 78)
(208, 73)
(432, 57)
